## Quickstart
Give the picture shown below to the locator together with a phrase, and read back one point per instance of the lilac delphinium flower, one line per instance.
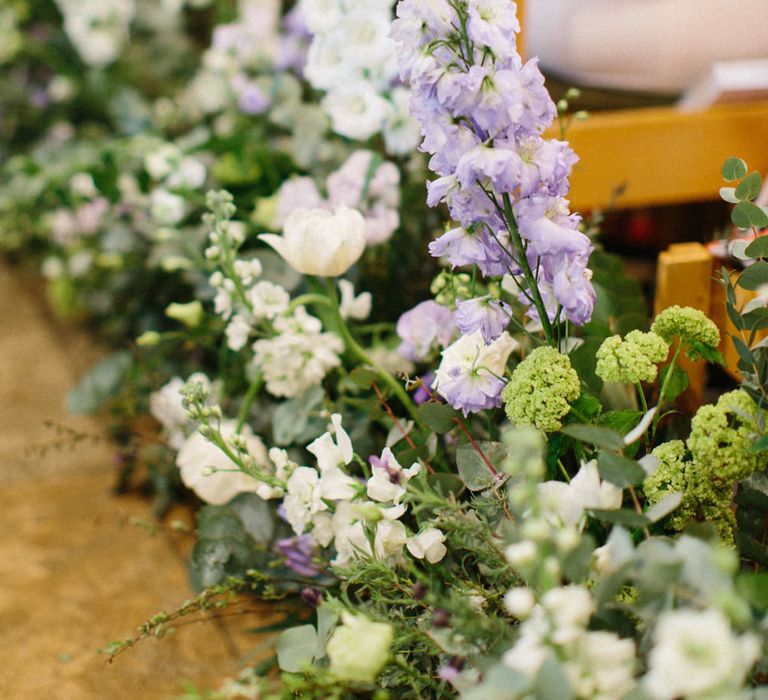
(424, 327)
(471, 375)
(482, 113)
(299, 553)
(489, 316)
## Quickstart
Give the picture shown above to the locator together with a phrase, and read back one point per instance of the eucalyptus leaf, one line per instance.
(664, 507)
(619, 470)
(437, 416)
(749, 187)
(293, 421)
(746, 215)
(728, 194)
(552, 682)
(754, 276)
(734, 169)
(758, 248)
(473, 470)
(99, 384)
(595, 435)
(623, 516)
(296, 648)
(326, 622)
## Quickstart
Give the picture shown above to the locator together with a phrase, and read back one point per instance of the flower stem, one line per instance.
(250, 395)
(357, 351)
(527, 272)
(665, 387)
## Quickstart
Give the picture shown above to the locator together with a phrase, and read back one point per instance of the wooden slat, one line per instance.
(662, 155)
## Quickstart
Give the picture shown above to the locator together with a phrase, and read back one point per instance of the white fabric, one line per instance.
(648, 45)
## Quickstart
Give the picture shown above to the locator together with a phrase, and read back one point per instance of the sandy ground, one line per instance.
(76, 571)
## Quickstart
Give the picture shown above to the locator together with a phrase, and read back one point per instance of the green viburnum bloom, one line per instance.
(359, 648)
(541, 389)
(631, 360)
(722, 435)
(690, 325)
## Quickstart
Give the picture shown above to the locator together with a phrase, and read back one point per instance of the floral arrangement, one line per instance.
(487, 493)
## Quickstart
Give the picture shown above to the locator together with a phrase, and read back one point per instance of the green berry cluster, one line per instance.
(690, 325)
(541, 389)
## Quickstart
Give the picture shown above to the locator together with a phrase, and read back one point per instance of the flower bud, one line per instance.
(190, 314)
(355, 634)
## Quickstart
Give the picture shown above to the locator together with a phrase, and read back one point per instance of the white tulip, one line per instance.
(318, 242)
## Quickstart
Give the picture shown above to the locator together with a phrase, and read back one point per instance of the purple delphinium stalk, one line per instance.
(300, 553)
(483, 112)
(489, 316)
(424, 327)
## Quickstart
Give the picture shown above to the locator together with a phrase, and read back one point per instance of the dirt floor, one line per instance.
(77, 569)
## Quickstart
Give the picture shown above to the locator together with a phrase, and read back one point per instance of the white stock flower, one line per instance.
(237, 332)
(166, 208)
(318, 242)
(268, 299)
(428, 544)
(357, 110)
(212, 475)
(390, 539)
(351, 306)
(565, 503)
(696, 655)
(303, 498)
(389, 479)
(299, 356)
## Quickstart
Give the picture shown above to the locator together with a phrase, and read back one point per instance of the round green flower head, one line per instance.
(541, 389)
(672, 474)
(631, 360)
(722, 435)
(688, 324)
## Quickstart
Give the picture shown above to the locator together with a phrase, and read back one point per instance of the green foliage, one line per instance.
(438, 417)
(595, 435)
(734, 169)
(619, 470)
(100, 384)
(472, 466)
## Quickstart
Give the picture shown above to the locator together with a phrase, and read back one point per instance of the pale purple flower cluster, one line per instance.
(488, 315)
(482, 113)
(424, 328)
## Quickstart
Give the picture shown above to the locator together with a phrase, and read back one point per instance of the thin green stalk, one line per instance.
(250, 395)
(527, 272)
(357, 351)
(665, 387)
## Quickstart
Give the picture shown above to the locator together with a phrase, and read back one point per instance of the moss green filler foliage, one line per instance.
(541, 389)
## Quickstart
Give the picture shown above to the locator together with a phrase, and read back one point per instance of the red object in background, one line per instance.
(641, 231)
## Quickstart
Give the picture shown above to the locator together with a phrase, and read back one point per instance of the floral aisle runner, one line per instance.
(76, 573)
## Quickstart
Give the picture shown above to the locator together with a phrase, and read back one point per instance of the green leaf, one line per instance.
(757, 319)
(697, 350)
(678, 383)
(552, 682)
(364, 377)
(446, 483)
(293, 421)
(748, 215)
(754, 276)
(761, 445)
(437, 416)
(621, 421)
(623, 516)
(619, 470)
(473, 470)
(754, 587)
(587, 406)
(758, 248)
(734, 315)
(749, 187)
(255, 515)
(594, 434)
(746, 358)
(728, 194)
(296, 648)
(734, 169)
(99, 384)
(752, 549)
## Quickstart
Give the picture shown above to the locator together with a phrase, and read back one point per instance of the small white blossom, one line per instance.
(428, 544)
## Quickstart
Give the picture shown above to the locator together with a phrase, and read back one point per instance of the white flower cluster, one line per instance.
(598, 664)
(240, 51)
(98, 28)
(363, 182)
(299, 356)
(332, 507)
(166, 407)
(353, 59)
(11, 39)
